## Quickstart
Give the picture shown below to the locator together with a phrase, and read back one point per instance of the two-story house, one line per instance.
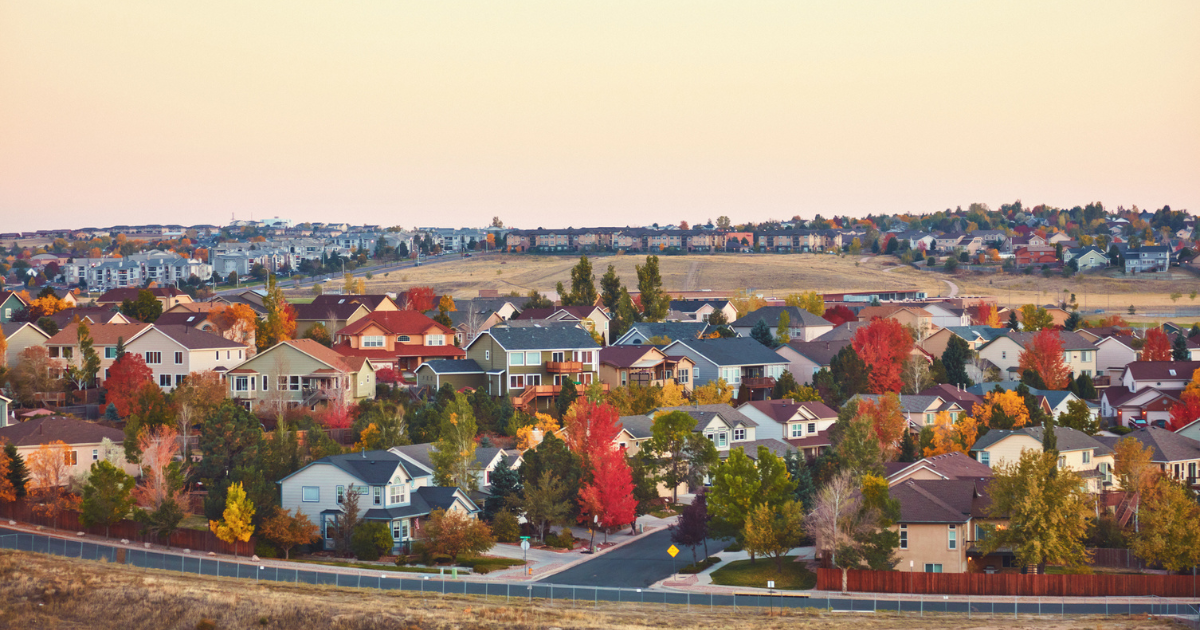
(486, 461)
(729, 429)
(643, 332)
(591, 318)
(804, 425)
(919, 410)
(1148, 258)
(300, 372)
(333, 316)
(400, 340)
(173, 352)
(802, 325)
(1113, 353)
(1077, 451)
(806, 358)
(530, 363)
(1085, 258)
(63, 347)
(10, 304)
(646, 366)
(167, 296)
(1176, 453)
(941, 521)
(392, 488)
(1004, 352)
(699, 310)
(739, 361)
(85, 442)
(18, 336)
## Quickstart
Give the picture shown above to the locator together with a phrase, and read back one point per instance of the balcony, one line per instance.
(564, 367)
(758, 382)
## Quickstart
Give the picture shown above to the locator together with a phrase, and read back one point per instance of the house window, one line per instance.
(435, 340)
(1003, 355)
(1087, 457)
(929, 418)
(739, 435)
(516, 381)
(53, 352)
(397, 532)
(533, 358)
(557, 357)
(219, 355)
(985, 458)
(1062, 461)
(178, 358)
(179, 379)
(310, 494)
(372, 341)
(95, 454)
(71, 458)
(153, 358)
(797, 430)
(952, 537)
(903, 536)
(110, 352)
(403, 338)
(294, 383)
(264, 382)
(682, 376)
(1192, 469)
(1084, 356)
(377, 495)
(933, 568)
(341, 494)
(516, 358)
(722, 439)
(164, 380)
(241, 383)
(533, 380)
(395, 493)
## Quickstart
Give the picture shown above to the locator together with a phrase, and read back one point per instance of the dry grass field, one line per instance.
(47, 592)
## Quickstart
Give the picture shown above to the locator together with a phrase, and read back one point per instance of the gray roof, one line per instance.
(423, 453)
(941, 500)
(540, 337)
(671, 330)
(798, 316)
(977, 333)
(423, 500)
(691, 306)
(704, 413)
(819, 352)
(195, 339)
(637, 426)
(774, 445)
(1068, 439)
(1165, 445)
(371, 467)
(842, 332)
(733, 351)
(454, 366)
(1070, 340)
(910, 403)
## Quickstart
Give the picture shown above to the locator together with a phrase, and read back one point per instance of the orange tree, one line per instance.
(883, 345)
(1002, 410)
(951, 436)
(1157, 346)
(887, 422)
(1044, 355)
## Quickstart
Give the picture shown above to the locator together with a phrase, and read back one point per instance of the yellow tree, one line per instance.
(1169, 532)
(49, 474)
(1002, 410)
(672, 395)
(745, 303)
(716, 392)
(952, 437)
(8, 492)
(235, 525)
(810, 301)
(527, 439)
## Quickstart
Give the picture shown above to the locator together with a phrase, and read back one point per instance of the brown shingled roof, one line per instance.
(102, 334)
(47, 429)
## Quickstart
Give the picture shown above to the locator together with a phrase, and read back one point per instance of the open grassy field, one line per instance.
(39, 591)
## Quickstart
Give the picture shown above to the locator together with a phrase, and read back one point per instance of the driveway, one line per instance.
(636, 565)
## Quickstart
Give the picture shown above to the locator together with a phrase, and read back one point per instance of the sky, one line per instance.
(552, 114)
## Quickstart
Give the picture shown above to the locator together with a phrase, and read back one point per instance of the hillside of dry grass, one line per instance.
(38, 591)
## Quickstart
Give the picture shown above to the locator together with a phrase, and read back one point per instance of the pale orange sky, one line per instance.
(588, 113)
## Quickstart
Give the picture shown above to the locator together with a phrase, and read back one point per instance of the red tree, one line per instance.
(420, 299)
(338, 414)
(1186, 411)
(1157, 347)
(589, 430)
(387, 375)
(608, 498)
(125, 377)
(883, 345)
(839, 315)
(1044, 355)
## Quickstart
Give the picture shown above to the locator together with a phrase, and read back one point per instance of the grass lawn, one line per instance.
(195, 521)
(372, 567)
(795, 575)
(666, 511)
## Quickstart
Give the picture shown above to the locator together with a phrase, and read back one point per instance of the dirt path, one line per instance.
(689, 282)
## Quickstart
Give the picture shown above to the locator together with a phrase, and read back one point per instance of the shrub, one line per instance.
(265, 550)
(562, 540)
(505, 527)
(700, 566)
(370, 540)
(1121, 430)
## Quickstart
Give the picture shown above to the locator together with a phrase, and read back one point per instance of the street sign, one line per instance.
(673, 550)
(770, 583)
(525, 545)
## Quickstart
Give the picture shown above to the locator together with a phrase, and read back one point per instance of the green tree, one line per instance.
(566, 397)
(552, 456)
(370, 540)
(546, 502)
(784, 385)
(83, 372)
(1179, 349)
(850, 375)
(1169, 528)
(681, 454)
(145, 308)
(655, 302)
(858, 448)
(955, 358)
(610, 289)
(583, 285)
(1013, 324)
(1079, 417)
(162, 521)
(1048, 512)
(626, 316)
(230, 445)
(454, 453)
(506, 482)
(740, 483)
(645, 488)
(870, 541)
(1049, 440)
(1073, 321)
(536, 300)
(107, 496)
(785, 323)
(761, 333)
(1086, 388)
(18, 473)
(774, 531)
(799, 471)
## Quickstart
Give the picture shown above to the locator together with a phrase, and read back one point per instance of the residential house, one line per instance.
(1025, 256)
(952, 465)
(252, 298)
(699, 310)
(646, 366)
(921, 411)
(400, 340)
(172, 352)
(806, 358)
(84, 441)
(643, 332)
(954, 394)
(1004, 352)
(333, 316)
(19, 336)
(476, 315)
(486, 461)
(975, 336)
(943, 314)
(802, 325)
(1148, 258)
(843, 332)
(168, 296)
(591, 318)
(728, 428)
(63, 347)
(1113, 354)
(300, 372)
(531, 363)
(193, 314)
(392, 489)
(373, 302)
(1162, 375)
(801, 424)
(459, 373)
(739, 361)
(10, 304)
(91, 315)
(1089, 257)
(915, 317)
(1177, 454)
(634, 431)
(1148, 406)
(941, 521)
(1077, 451)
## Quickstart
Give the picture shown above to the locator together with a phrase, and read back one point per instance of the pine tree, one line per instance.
(566, 397)
(1049, 440)
(583, 284)
(610, 289)
(955, 358)
(625, 317)
(908, 448)
(506, 483)
(1179, 349)
(762, 334)
(655, 303)
(1086, 388)
(107, 497)
(1013, 324)
(18, 472)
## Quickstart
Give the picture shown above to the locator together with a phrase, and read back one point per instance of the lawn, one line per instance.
(194, 521)
(795, 575)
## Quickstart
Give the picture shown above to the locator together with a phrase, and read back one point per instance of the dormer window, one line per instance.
(372, 341)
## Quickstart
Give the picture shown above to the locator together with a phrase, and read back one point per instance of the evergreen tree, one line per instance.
(1086, 388)
(784, 385)
(610, 289)
(111, 414)
(18, 473)
(850, 374)
(506, 483)
(551, 456)
(955, 359)
(1013, 324)
(1073, 321)
(762, 334)
(625, 317)
(583, 284)
(798, 470)
(908, 448)
(1033, 379)
(107, 497)
(1195, 331)
(655, 302)
(1179, 349)
(566, 397)
(1049, 440)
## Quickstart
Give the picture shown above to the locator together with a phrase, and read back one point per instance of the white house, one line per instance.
(787, 419)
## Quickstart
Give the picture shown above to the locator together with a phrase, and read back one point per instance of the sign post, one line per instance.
(673, 550)
(525, 548)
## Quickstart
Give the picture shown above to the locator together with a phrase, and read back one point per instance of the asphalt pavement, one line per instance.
(636, 565)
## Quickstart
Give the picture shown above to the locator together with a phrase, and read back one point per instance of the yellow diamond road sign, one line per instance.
(673, 550)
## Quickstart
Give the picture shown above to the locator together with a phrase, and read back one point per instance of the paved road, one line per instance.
(636, 565)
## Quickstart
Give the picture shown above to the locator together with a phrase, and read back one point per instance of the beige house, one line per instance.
(916, 317)
(173, 352)
(333, 316)
(300, 372)
(18, 336)
(635, 430)
(1004, 352)
(646, 366)
(921, 410)
(84, 441)
(591, 318)
(64, 346)
(1176, 454)
(1077, 451)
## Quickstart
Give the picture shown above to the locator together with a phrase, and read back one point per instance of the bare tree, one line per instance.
(917, 375)
(829, 522)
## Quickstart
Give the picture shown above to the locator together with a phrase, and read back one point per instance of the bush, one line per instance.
(422, 552)
(700, 566)
(505, 527)
(1121, 430)
(562, 540)
(736, 546)
(265, 550)
(481, 565)
(370, 540)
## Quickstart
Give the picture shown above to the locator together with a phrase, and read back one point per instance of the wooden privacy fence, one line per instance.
(1008, 584)
(68, 520)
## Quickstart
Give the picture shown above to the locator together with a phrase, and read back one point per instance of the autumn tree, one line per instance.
(126, 376)
(279, 323)
(162, 476)
(1048, 512)
(839, 315)
(883, 345)
(1157, 346)
(986, 314)
(83, 368)
(1036, 318)
(148, 410)
(810, 301)
(454, 533)
(235, 322)
(681, 454)
(888, 423)
(288, 530)
(775, 531)
(49, 474)
(740, 483)
(1002, 410)
(199, 394)
(107, 496)
(608, 497)
(952, 436)
(1044, 356)
(716, 392)
(235, 524)
(453, 454)
(545, 425)
(1169, 529)
(33, 374)
(589, 430)
(1135, 468)
(8, 492)
(420, 299)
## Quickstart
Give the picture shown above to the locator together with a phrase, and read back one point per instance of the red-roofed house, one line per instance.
(801, 424)
(397, 339)
(300, 372)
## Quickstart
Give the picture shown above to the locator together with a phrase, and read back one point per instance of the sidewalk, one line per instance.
(702, 582)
